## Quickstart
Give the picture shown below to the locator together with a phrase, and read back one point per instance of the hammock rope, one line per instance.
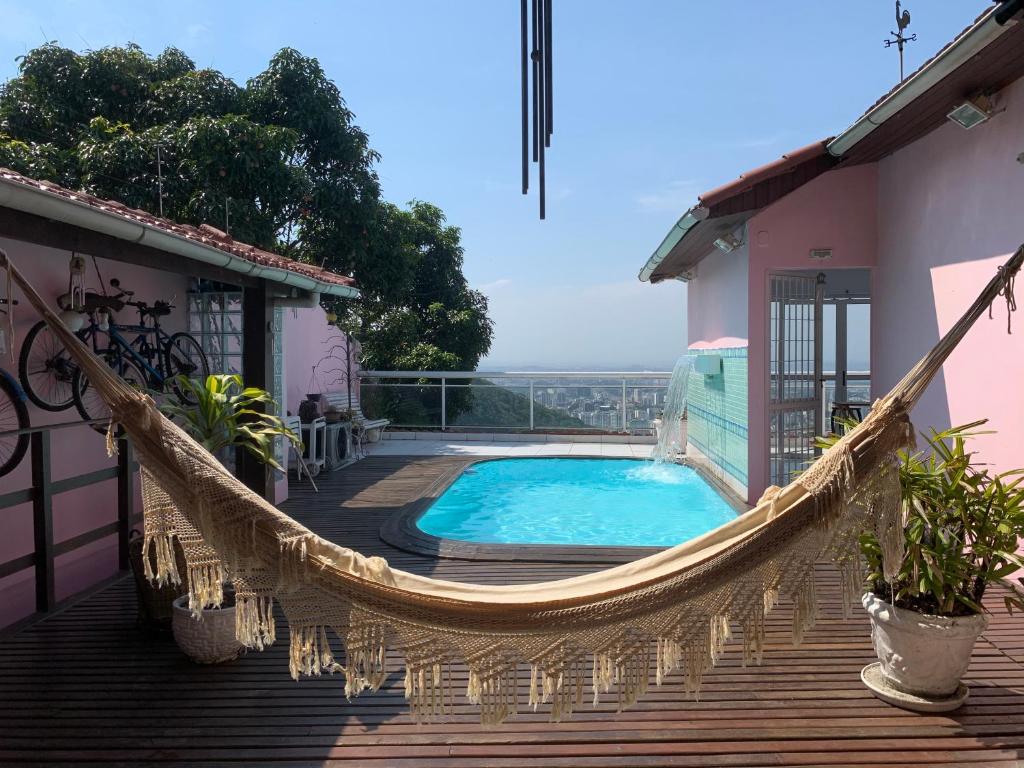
(674, 611)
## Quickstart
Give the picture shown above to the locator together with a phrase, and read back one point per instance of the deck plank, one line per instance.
(85, 686)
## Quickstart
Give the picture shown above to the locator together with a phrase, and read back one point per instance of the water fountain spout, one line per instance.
(670, 436)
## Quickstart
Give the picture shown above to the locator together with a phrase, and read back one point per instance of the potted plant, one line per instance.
(225, 416)
(961, 528)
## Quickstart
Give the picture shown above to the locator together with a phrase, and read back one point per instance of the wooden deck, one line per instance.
(85, 686)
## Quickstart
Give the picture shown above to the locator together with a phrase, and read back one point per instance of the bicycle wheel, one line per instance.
(45, 369)
(88, 401)
(184, 357)
(13, 415)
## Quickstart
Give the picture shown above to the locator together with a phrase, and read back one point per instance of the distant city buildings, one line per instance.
(600, 406)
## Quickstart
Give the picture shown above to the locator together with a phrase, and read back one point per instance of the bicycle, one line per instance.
(152, 359)
(45, 368)
(13, 417)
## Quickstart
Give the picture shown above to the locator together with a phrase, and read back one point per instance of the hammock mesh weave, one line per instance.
(605, 633)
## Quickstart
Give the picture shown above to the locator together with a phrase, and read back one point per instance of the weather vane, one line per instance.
(902, 22)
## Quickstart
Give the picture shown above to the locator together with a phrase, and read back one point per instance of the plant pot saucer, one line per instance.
(876, 682)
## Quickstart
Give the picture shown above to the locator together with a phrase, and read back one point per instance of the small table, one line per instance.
(846, 412)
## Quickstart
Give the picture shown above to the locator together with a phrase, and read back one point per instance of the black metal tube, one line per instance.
(549, 123)
(541, 100)
(525, 87)
(536, 79)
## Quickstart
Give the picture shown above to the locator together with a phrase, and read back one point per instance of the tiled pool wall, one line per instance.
(717, 418)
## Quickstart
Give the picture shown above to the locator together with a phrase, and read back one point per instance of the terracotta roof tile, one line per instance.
(204, 234)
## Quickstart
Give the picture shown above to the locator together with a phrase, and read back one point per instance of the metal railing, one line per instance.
(549, 401)
(40, 492)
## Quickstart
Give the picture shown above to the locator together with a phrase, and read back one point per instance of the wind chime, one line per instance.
(536, 91)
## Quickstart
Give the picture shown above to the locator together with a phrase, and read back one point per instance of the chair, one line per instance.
(371, 429)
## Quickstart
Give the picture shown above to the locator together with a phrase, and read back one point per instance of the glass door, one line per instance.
(846, 378)
(794, 373)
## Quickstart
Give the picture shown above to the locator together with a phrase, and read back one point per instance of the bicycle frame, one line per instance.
(120, 345)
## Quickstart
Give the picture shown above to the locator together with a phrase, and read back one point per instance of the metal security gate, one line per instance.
(794, 373)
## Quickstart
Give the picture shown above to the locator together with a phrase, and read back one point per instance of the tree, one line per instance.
(421, 314)
(281, 158)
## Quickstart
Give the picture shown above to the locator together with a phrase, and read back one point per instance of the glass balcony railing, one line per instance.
(602, 401)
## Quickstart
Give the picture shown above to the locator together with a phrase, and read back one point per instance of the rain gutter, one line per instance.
(76, 213)
(986, 29)
(688, 221)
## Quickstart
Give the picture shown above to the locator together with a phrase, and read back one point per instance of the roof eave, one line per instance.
(687, 221)
(31, 199)
(968, 44)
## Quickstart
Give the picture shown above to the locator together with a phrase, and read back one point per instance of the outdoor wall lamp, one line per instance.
(972, 112)
(728, 243)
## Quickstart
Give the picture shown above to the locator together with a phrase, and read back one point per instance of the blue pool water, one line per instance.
(611, 502)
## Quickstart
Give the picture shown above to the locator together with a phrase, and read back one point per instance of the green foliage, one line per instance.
(284, 148)
(962, 526)
(420, 314)
(227, 413)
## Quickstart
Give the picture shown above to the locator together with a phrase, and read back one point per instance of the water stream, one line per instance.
(670, 439)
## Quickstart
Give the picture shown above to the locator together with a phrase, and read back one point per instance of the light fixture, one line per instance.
(972, 112)
(728, 243)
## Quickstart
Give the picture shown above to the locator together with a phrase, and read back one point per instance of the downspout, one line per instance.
(984, 31)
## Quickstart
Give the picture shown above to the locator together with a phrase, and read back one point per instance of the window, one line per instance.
(215, 319)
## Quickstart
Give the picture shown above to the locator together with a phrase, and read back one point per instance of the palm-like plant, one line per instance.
(961, 530)
(227, 413)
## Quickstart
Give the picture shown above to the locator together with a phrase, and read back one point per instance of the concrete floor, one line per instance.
(505, 448)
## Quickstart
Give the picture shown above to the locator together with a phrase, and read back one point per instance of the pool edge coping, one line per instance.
(400, 529)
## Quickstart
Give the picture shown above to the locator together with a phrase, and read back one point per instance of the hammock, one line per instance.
(672, 611)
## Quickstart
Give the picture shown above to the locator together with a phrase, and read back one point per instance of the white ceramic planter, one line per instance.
(922, 655)
(210, 639)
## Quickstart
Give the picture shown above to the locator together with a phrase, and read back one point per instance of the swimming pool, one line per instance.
(607, 502)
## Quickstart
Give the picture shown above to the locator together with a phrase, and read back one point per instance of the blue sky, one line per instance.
(655, 101)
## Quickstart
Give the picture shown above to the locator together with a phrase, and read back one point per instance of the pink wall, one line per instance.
(308, 339)
(314, 361)
(716, 306)
(314, 354)
(949, 211)
(837, 210)
(74, 451)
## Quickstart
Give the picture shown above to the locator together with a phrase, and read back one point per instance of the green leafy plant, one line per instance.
(227, 413)
(962, 526)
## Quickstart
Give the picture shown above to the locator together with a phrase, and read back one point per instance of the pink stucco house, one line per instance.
(823, 276)
(260, 313)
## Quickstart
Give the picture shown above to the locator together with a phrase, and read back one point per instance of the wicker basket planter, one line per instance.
(210, 639)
